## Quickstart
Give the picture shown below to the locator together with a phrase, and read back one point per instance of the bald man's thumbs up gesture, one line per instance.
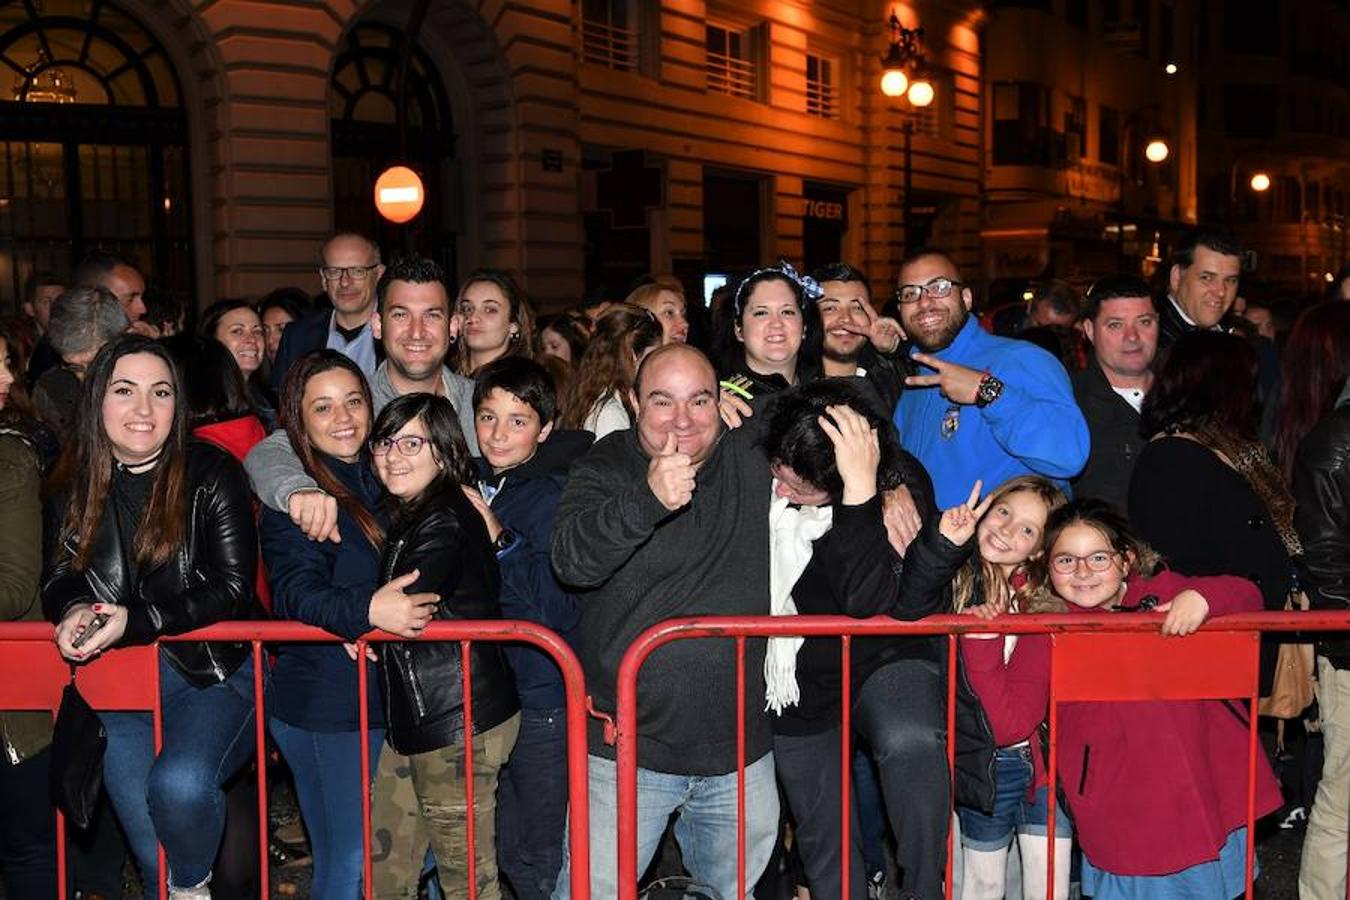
(671, 475)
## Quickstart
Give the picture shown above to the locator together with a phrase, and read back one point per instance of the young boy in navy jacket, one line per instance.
(522, 470)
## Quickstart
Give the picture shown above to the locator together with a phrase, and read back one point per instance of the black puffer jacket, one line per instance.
(1322, 492)
(447, 543)
(209, 580)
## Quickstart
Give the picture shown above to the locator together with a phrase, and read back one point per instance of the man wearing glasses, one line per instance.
(981, 406)
(350, 270)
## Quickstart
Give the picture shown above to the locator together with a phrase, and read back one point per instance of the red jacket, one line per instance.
(1132, 771)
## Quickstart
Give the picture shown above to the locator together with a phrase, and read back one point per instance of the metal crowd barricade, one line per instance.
(32, 676)
(1093, 657)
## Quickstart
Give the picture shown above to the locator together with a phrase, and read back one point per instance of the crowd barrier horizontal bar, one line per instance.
(33, 674)
(1239, 654)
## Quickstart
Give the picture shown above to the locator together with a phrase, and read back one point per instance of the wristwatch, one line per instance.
(504, 540)
(988, 391)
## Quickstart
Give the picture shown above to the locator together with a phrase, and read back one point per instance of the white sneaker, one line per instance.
(199, 892)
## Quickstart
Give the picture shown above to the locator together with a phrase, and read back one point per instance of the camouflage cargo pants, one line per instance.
(419, 801)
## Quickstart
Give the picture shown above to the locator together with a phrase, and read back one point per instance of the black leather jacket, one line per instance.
(211, 578)
(1322, 491)
(447, 542)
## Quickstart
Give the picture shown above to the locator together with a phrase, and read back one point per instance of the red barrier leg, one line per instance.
(1052, 790)
(260, 730)
(158, 716)
(951, 758)
(740, 767)
(845, 761)
(470, 812)
(363, 713)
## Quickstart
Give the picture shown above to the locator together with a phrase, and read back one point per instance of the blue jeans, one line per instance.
(326, 766)
(177, 796)
(1013, 813)
(532, 805)
(705, 829)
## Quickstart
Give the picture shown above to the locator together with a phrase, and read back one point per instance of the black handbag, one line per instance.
(78, 741)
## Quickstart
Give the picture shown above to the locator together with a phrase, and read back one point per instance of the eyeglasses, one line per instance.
(354, 273)
(938, 289)
(1067, 563)
(408, 446)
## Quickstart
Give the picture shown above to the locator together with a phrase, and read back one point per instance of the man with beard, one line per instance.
(987, 407)
(850, 326)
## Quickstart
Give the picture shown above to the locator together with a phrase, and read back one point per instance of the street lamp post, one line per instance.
(1155, 149)
(903, 76)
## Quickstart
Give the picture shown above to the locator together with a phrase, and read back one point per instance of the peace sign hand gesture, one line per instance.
(958, 383)
(882, 331)
(958, 523)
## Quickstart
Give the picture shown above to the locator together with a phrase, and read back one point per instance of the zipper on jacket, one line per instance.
(406, 653)
(1082, 779)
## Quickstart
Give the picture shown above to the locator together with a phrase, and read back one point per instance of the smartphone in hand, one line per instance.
(94, 625)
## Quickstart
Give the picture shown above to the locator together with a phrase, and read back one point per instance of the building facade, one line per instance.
(1275, 101)
(1077, 91)
(578, 144)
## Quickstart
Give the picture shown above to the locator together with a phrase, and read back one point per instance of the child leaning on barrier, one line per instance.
(1009, 538)
(1157, 788)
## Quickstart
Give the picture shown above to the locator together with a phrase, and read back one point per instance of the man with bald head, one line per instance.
(671, 519)
(349, 269)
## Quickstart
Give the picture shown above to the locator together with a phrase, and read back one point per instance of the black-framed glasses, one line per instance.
(1067, 563)
(408, 446)
(937, 288)
(354, 273)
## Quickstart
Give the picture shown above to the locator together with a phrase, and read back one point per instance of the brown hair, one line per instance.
(986, 578)
(291, 412)
(521, 315)
(89, 463)
(1111, 525)
(610, 362)
(18, 405)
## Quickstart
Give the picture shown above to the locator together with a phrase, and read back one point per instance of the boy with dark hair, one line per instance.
(523, 466)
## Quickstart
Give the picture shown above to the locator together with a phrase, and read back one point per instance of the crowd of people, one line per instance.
(395, 452)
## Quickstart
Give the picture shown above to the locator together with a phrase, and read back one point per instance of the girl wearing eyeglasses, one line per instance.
(439, 539)
(1008, 540)
(1157, 788)
(315, 715)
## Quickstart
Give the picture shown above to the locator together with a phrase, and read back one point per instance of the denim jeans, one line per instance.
(532, 805)
(1013, 813)
(899, 712)
(177, 796)
(808, 769)
(326, 766)
(705, 829)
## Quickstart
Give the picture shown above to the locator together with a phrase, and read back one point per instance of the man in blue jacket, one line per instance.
(987, 407)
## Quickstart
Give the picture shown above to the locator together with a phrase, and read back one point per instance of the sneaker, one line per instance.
(876, 886)
(1296, 816)
(200, 892)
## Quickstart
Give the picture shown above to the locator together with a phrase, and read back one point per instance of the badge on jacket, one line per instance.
(951, 420)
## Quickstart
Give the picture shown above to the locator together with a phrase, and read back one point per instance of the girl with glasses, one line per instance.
(325, 405)
(1009, 540)
(1157, 788)
(438, 539)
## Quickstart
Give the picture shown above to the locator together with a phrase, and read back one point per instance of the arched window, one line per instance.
(363, 101)
(93, 143)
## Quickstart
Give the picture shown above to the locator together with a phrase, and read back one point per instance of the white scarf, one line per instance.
(791, 531)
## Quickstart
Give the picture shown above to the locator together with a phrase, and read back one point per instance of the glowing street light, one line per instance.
(1156, 150)
(1170, 68)
(1260, 182)
(921, 92)
(894, 82)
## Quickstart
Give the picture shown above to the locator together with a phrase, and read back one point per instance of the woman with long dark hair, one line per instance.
(598, 398)
(1205, 493)
(155, 536)
(1312, 443)
(237, 326)
(27, 826)
(315, 721)
(438, 539)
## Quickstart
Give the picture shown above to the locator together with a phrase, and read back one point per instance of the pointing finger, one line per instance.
(923, 380)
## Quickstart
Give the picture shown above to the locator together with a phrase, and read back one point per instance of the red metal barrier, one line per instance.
(32, 675)
(1220, 661)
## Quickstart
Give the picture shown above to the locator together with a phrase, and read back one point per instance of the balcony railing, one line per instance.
(609, 46)
(731, 75)
(822, 99)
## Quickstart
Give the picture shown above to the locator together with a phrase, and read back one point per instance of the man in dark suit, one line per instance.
(1202, 285)
(349, 271)
(1121, 323)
